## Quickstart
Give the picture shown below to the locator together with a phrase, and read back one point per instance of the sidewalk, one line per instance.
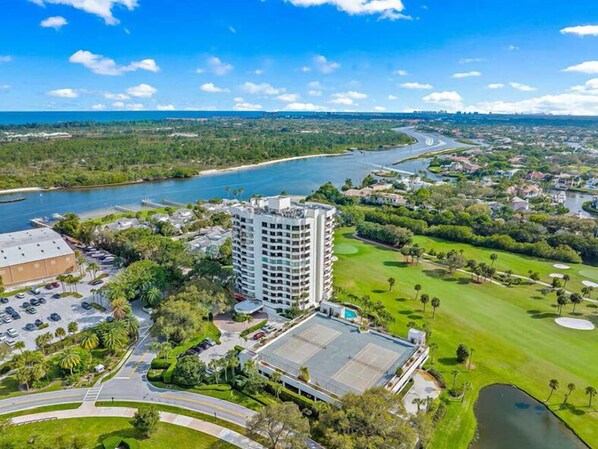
(89, 411)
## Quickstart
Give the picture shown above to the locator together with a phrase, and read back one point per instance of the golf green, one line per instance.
(345, 249)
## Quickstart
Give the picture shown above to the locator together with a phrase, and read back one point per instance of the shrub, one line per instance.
(167, 374)
(161, 363)
(253, 328)
(287, 395)
(189, 371)
(214, 387)
(155, 375)
(462, 353)
(146, 420)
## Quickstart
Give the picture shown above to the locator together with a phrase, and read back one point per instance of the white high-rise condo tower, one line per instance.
(282, 251)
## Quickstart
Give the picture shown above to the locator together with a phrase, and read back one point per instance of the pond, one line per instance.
(509, 418)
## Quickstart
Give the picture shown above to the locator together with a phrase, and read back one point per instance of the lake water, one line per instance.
(508, 418)
(297, 177)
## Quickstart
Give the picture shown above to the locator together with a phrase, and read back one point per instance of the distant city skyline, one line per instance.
(300, 55)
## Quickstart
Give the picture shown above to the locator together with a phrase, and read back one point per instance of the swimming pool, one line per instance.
(350, 314)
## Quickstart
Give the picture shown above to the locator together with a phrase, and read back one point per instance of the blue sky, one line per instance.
(343, 55)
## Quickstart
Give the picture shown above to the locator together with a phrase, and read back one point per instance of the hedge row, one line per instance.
(161, 363)
(253, 328)
(155, 375)
(167, 374)
(287, 395)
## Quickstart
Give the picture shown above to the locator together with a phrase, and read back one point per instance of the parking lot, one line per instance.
(68, 308)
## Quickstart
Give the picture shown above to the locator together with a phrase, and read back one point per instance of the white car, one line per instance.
(12, 332)
(35, 291)
(20, 295)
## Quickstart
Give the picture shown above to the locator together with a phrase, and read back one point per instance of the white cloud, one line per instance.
(5, 86)
(98, 107)
(5, 58)
(262, 89)
(581, 30)
(305, 69)
(386, 9)
(303, 107)
(393, 97)
(470, 60)
(115, 97)
(258, 72)
(165, 107)
(379, 108)
(55, 22)
(288, 97)
(495, 86)
(416, 85)
(314, 85)
(315, 93)
(590, 67)
(232, 29)
(448, 99)
(559, 104)
(400, 72)
(242, 105)
(324, 65)
(512, 47)
(219, 67)
(522, 87)
(63, 93)
(107, 66)
(473, 73)
(100, 8)
(347, 98)
(213, 89)
(127, 106)
(142, 91)
(589, 86)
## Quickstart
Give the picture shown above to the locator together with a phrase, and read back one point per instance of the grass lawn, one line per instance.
(9, 387)
(518, 263)
(93, 431)
(512, 330)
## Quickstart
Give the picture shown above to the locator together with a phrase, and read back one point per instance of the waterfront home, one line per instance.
(123, 223)
(519, 204)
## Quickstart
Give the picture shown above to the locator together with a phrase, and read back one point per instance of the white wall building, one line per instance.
(282, 251)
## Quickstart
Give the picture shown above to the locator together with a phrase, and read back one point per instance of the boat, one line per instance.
(12, 200)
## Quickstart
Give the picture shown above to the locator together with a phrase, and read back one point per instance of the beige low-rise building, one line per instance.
(33, 255)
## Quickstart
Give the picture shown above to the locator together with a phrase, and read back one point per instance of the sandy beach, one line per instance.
(21, 190)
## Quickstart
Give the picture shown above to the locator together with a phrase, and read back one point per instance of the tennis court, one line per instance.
(301, 346)
(370, 364)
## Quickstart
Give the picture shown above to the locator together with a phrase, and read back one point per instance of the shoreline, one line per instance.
(22, 190)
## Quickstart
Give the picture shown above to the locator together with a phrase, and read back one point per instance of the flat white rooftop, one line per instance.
(31, 245)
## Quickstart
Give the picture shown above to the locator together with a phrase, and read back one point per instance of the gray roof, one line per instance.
(30, 246)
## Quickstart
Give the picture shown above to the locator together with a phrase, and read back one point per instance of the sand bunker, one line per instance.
(556, 275)
(590, 284)
(575, 323)
(560, 266)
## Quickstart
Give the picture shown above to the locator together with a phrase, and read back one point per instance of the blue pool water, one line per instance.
(350, 314)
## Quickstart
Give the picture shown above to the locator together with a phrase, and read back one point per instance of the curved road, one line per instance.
(130, 384)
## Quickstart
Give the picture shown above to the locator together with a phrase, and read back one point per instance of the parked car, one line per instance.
(97, 282)
(210, 342)
(35, 291)
(32, 310)
(34, 302)
(9, 310)
(259, 335)
(16, 316)
(12, 332)
(25, 305)
(4, 300)
(86, 305)
(38, 323)
(55, 284)
(7, 319)
(42, 300)
(20, 295)
(11, 342)
(55, 317)
(48, 286)
(30, 326)
(56, 296)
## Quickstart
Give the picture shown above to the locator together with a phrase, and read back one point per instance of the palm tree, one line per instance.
(114, 337)
(391, 282)
(304, 374)
(62, 279)
(493, 258)
(89, 341)
(435, 304)
(417, 288)
(162, 350)
(73, 327)
(214, 365)
(554, 385)
(69, 359)
(93, 269)
(276, 378)
(575, 299)
(60, 333)
(585, 291)
(120, 308)
(152, 296)
(570, 389)
(566, 278)
(20, 345)
(590, 391)
(424, 299)
(233, 363)
(562, 301)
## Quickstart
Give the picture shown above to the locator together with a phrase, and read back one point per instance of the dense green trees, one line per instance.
(119, 152)
(282, 425)
(390, 234)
